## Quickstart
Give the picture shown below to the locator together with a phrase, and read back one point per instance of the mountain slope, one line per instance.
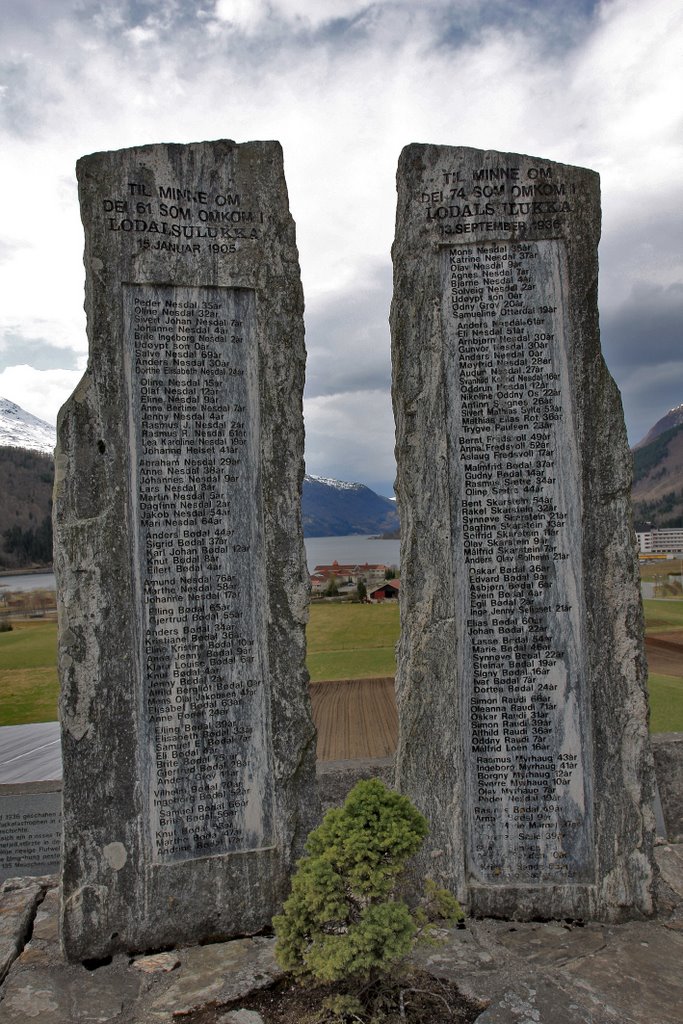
(334, 508)
(658, 477)
(25, 505)
(674, 418)
(19, 429)
(26, 475)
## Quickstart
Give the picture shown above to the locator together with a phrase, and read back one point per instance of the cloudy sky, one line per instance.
(344, 85)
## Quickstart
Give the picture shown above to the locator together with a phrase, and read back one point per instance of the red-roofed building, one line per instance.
(387, 592)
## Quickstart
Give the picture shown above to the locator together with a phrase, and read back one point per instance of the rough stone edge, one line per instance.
(667, 748)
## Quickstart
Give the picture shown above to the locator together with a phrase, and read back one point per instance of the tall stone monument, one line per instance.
(187, 739)
(521, 684)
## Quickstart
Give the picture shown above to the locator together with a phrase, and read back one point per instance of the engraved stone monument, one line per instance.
(187, 739)
(521, 684)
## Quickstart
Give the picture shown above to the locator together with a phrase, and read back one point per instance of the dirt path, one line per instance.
(355, 718)
(665, 653)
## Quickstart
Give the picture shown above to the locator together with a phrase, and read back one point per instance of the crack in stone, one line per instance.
(25, 931)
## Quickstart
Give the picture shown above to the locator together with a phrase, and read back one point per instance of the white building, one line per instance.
(660, 541)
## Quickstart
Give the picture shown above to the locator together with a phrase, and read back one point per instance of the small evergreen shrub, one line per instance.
(343, 920)
(5, 626)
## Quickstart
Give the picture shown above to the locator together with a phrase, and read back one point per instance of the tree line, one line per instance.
(29, 546)
(26, 479)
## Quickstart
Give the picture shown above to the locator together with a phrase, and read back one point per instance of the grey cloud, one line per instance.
(639, 247)
(29, 96)
(49, 50)
(37, 352)
(348, 339)
(19, 15)
(179, 26)
(168, 18)
(69, 36)
(560, 25)
(642, 340)
(642, 332)
(450, 26)
(352, 438)
(124, 14)
(645, 330)
(17, 104)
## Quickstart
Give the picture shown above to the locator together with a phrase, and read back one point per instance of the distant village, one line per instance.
(367, 582)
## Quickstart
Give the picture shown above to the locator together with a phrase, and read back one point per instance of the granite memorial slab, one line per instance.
(187, 738)
(521, 683)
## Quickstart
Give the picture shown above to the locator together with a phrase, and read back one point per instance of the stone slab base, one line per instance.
(552, 973)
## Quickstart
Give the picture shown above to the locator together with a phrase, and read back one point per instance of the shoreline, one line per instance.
(27, 572)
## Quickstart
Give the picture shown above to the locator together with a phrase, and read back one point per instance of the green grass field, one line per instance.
(28, 673)
(663, 616)
(345, 641)
(666, 703)
(352, 641)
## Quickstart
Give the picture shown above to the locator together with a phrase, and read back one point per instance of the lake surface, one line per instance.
(319, 551)
(29, 581)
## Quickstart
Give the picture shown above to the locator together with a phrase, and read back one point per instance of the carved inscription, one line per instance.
(515, 475)
(30, 833)
(187, 221)
(199, 568)
(488, 201)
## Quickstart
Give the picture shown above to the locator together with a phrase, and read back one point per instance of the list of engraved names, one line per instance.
(514, 468)
(199, 568)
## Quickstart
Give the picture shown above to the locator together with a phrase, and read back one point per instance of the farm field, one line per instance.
(658, 569)
(664, 650)
(352, 641)
(351, 662)
(355, 718)
(666, 703)
(342, 709)
(662, 615)
(28, 673)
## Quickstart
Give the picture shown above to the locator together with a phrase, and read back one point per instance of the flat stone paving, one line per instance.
(526, 973)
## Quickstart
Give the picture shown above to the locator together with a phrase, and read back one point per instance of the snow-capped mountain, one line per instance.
(674, 418)
(335, 508)
(329, 481)
(19, 429)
